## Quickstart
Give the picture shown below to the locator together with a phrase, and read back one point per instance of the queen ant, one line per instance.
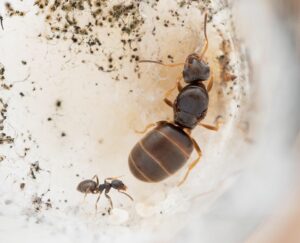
(167, 147)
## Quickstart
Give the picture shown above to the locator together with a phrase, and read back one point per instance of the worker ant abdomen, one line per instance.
(87, 186)
(161, 153)
(191, 105)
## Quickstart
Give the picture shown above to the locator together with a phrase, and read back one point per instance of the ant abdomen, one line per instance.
(87, 186)
(195, 69)
(161, 153)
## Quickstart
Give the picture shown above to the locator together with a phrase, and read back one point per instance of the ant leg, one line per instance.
(147, 127)
(179, 86)
(169, 92)
(213, 127)
(193, 164)
(110, 201)
(126, 194)
(98, 198)
(85, 194)
(168, 102)
(97, 179)
(163, 64)
(210, 127)
(210, 83)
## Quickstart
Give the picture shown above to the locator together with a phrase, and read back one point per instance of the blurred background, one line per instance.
(264, 205)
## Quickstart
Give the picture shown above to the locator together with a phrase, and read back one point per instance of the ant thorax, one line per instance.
(191, 105)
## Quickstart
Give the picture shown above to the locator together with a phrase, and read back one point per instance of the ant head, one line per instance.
(195, 69)
(119, 185)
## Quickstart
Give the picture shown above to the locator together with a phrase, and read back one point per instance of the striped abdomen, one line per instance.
(162, 152)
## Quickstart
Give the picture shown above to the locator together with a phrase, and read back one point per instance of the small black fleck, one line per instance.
(58, 103)
(22, 185)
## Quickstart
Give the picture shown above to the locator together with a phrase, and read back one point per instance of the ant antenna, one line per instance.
(163, 64)
(205, 47)
(112, 178)
(203, 51)
(130, 197)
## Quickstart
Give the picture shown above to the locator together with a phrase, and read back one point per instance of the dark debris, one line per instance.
(38, 203)
(1, 22)
(34, 168)
(12, 12)
(4, 138)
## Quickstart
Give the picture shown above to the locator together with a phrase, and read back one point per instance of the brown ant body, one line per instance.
(165, 149)
(94, 187)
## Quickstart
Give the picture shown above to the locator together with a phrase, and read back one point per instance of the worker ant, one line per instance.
(167, 147)
(94, 187)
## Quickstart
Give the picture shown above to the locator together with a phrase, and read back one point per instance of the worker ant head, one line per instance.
(195, 69)
(119, 185)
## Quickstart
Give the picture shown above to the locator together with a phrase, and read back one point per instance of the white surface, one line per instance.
(99, 122)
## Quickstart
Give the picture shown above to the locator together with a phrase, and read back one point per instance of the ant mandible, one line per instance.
(167, 147)
(94, 187)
